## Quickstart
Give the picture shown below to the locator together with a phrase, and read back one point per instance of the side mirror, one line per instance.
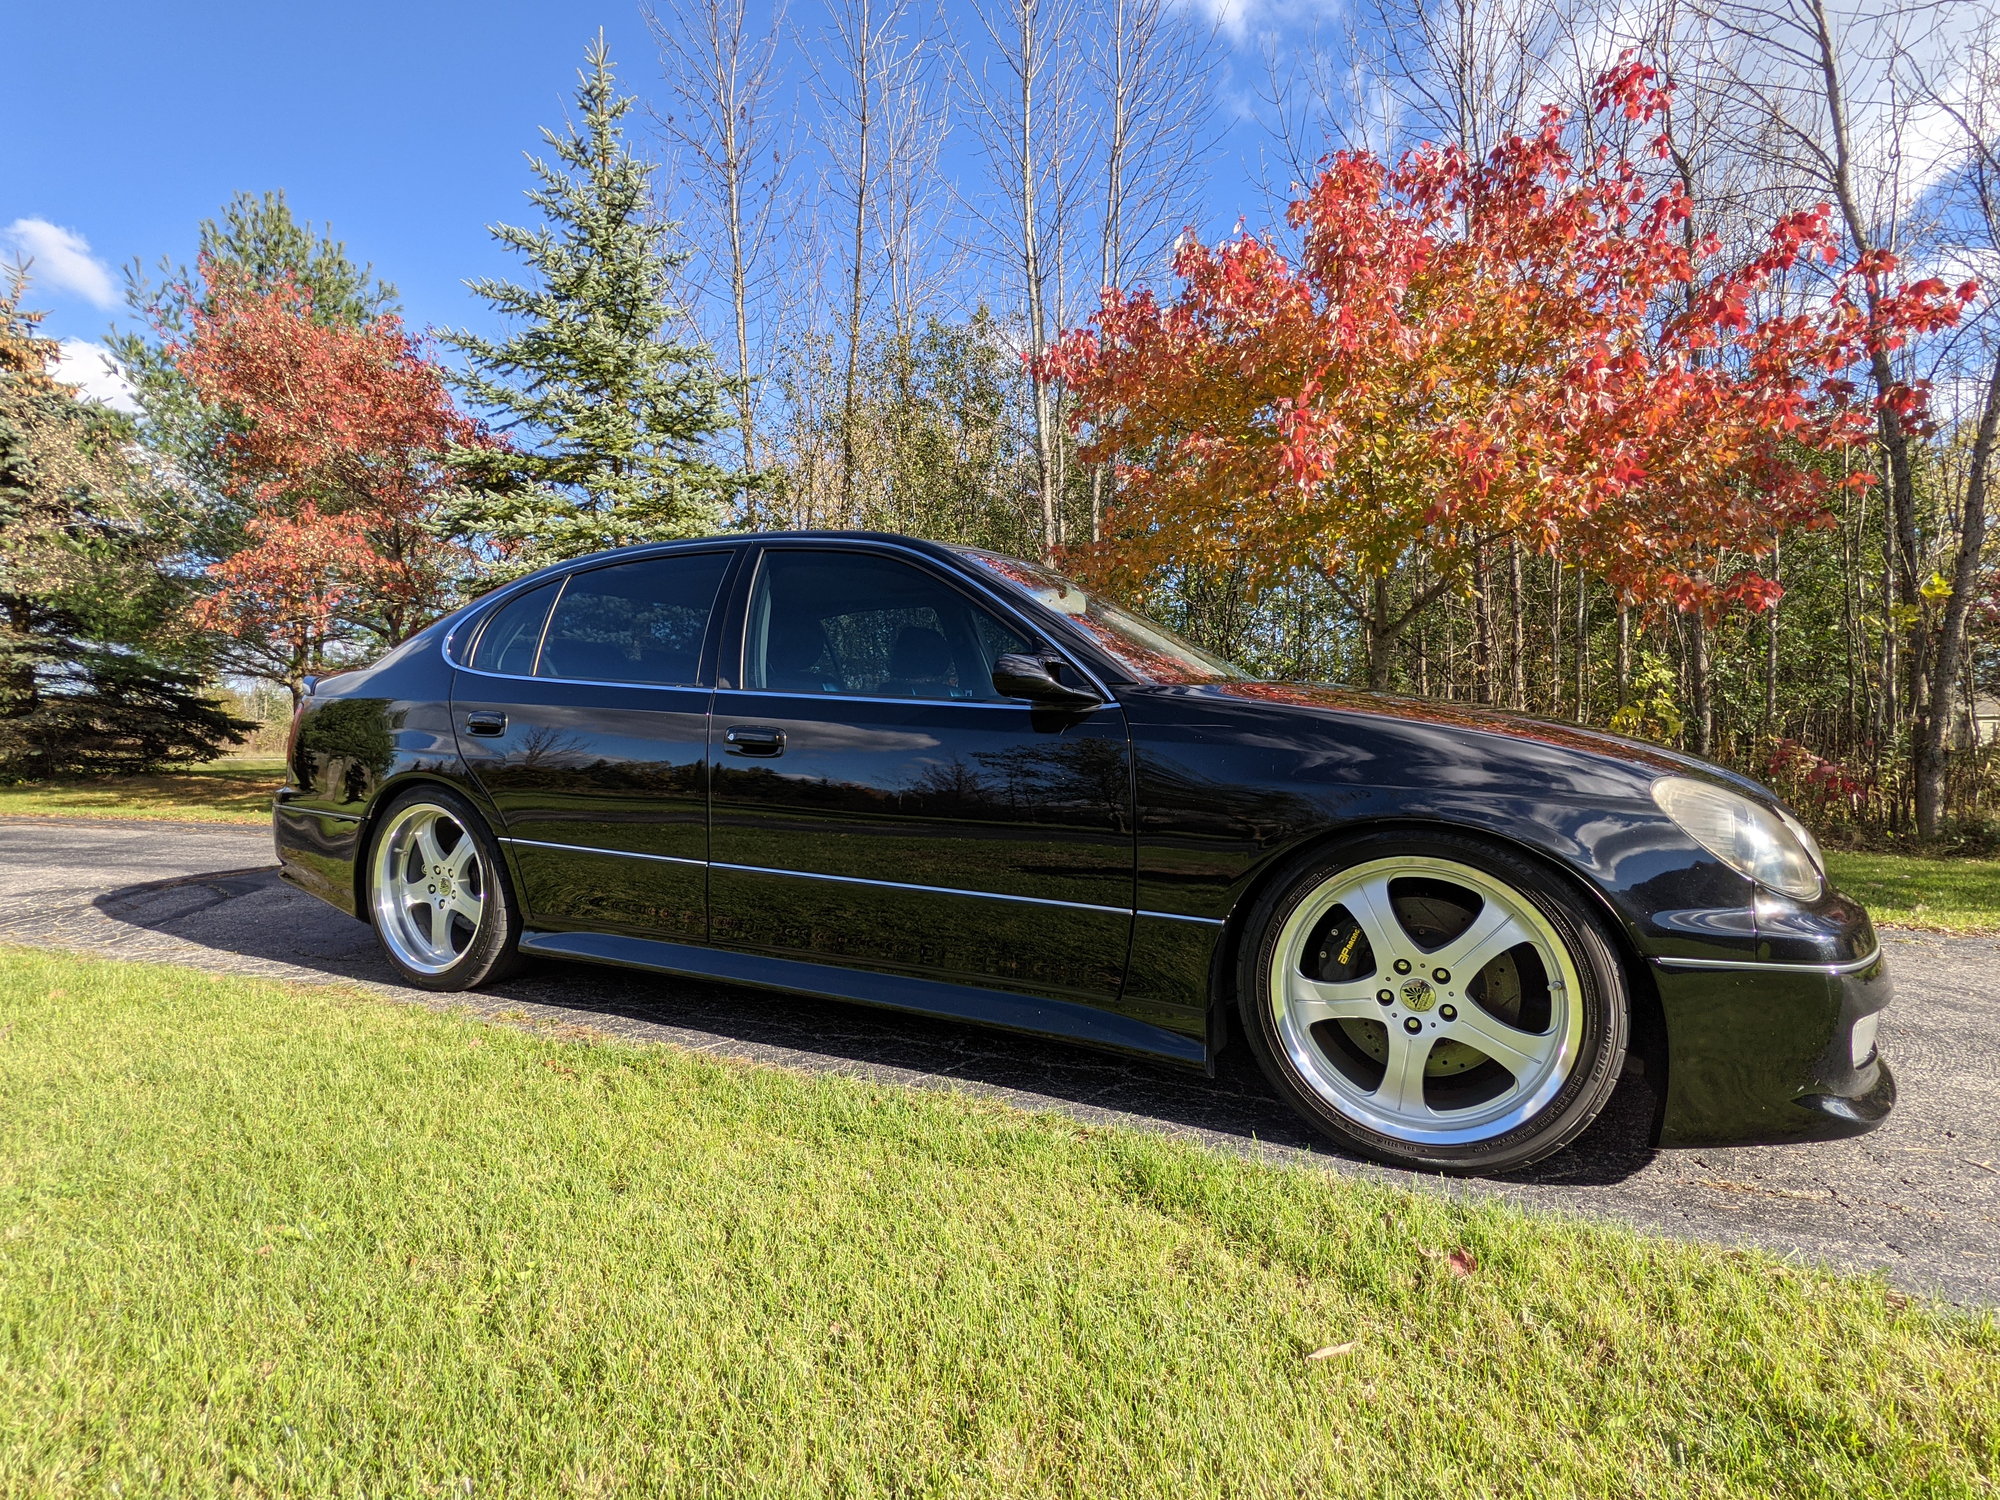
(1022, 676)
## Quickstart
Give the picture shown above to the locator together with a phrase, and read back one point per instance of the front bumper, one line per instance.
(1762, 1053)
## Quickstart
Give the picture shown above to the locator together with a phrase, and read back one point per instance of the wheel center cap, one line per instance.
(1418, 994)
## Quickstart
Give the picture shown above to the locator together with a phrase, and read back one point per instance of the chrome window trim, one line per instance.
(665, 859)
(1015, 703)
(542, 637)
(484, 615)
(1771, 965)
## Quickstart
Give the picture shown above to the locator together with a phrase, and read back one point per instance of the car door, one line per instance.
(582, 711)
(874, 801)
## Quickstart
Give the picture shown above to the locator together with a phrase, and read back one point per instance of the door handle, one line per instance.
(754, 739)
(484, 723)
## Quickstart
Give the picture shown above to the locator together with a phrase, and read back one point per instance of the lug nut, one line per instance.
(1402, 966)
(1449, 1012)
(1387, 997)
(1442, 976)
(1413, 1026)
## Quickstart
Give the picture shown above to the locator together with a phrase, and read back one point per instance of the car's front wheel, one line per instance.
(438, 894)
(1435, 1002)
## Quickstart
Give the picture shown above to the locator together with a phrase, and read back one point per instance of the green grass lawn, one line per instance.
(270, 1240)
(1950, 895)
(237, 791)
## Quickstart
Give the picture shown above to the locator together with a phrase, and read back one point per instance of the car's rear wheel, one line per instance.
(1435, 1002)
(443, 911)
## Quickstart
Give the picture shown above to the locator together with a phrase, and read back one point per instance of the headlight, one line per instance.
(1754, 841)
(1804, 835)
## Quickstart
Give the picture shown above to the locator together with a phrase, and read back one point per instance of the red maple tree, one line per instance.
(285, 598)
(335, 452)
(1529, 346)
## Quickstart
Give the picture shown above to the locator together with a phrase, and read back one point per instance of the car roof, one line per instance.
(941, 551)
(752, 538)
(1050, 621)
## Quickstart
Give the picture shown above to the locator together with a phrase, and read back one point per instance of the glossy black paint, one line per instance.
(591, 766)
(1072, 872)
(1734, 1033)
(1014, 828)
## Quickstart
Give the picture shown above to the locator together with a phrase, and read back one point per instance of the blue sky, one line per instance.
(402, 124)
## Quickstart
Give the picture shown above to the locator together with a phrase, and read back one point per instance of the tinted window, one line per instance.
(1147, 647)
(634, 622)
(513, 634)
(846, 622)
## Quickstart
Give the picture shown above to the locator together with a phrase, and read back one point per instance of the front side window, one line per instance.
(640, 621)
(1146, 647)
(867, 626)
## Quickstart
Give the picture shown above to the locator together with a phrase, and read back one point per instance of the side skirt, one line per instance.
(931, 997)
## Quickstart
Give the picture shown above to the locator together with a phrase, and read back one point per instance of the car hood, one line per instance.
(1535, 735)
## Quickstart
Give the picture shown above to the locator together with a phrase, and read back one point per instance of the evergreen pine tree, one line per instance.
(606, 412)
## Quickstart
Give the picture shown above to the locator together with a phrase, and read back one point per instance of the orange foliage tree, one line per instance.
(1463, 352)
(336, 457)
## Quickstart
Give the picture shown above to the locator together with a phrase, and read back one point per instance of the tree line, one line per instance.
(1632, 365)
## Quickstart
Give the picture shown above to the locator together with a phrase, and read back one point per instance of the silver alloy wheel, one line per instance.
(429, 887)
(1524, 1068)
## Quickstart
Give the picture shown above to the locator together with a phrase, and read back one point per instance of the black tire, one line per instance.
(1323, 1074)
(449, 951)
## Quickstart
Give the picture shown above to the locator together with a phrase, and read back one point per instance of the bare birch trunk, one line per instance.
(1934, 728)
(1482, 629)
(860, 64)
(1032, 271)
(1517, 641)
(720, 75)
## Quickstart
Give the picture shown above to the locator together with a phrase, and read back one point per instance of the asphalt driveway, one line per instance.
(1918, 1199)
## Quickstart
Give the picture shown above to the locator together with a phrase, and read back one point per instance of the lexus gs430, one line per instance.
(932, 778)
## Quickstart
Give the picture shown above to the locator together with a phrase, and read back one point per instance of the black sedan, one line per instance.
(933, 778)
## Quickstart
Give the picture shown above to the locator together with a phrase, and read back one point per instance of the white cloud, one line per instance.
(91, 369)
(1235, 19)
(1230, 16)
(1933, 143)
(62, 260)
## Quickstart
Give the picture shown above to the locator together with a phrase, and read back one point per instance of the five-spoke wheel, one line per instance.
(437, 894)
(1437, 1003)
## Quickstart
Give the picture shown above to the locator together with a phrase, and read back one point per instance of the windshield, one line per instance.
(1148, 649)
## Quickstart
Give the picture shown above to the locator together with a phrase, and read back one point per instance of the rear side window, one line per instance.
(513, 634)
(634, 622)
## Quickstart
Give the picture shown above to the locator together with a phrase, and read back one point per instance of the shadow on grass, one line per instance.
(252, 915)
